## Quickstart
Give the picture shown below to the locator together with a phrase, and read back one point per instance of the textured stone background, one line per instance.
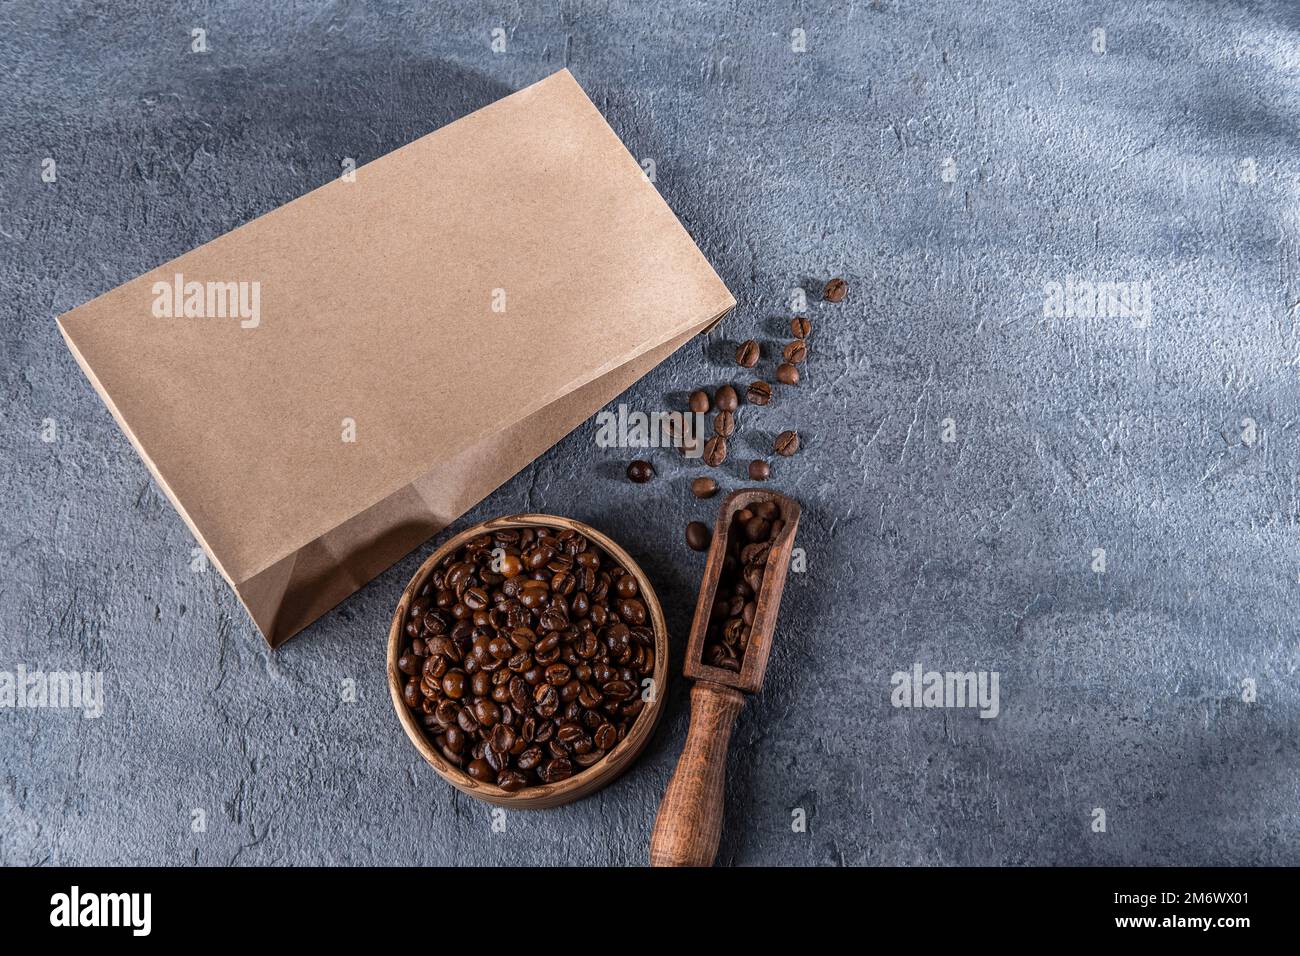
(1120, 690)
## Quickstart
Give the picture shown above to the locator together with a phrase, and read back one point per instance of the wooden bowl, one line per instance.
(598, 774)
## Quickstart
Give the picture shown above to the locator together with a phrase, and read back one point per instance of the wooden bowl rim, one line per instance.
(590, 779)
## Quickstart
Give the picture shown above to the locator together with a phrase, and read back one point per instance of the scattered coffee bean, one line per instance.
(697, 536)
(704, 487)
(787, 374)
(796, 352)
(735, 604)
(699, 401)
(800, 327)
(835, 290)
(715, 451)
(640, 471)
(787, 443)
(759, 470)
(726, 399)
(724, 424)
(537, 682)
(747, 354)
(758, 393)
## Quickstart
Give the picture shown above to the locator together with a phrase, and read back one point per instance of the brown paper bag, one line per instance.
(321, 390)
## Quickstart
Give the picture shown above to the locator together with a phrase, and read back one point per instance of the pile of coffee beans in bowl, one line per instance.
(524, 656)
(735, 603)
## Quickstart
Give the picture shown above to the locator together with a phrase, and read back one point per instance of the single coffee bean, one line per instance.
(700, 401)
(726, 399)
(747, 354)
(640, 471)
(800, 327)
(697, 536)
(835, 290)
(787, 374)
(453, 683)
(759, 470)
(787, 443)
(796, 352)
(758, 393)
(715, 451)
(724, 424)
(703, 487)
(511, 780)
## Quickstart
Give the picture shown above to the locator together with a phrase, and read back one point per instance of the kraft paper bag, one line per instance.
(323, 389)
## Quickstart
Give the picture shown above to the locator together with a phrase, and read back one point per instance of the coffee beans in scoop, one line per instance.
(740, 582)
(525, 654)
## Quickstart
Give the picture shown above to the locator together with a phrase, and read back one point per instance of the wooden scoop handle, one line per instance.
(689, 823)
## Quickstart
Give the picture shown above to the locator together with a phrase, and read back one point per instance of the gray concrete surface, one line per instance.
(1170, 159)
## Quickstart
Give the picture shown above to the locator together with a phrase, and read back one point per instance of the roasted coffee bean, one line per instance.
(747, 354)
(795, 352)
(787, 374)
(618, 690)
(697, 536)
(480, 770)
(758, 393)
(632, 611)
(835, 290)
(606, 736)
(555, 770)
(759, 470)
(726, 399)
(511, 780)
(487, 713)
(453, 683)
(715, 451)
(800, 327)
(724, 424)
(699, 401)
(787, 443)
(704, 487)
(640, 471)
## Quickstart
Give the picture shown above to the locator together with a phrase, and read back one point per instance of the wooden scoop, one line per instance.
(689, 824)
